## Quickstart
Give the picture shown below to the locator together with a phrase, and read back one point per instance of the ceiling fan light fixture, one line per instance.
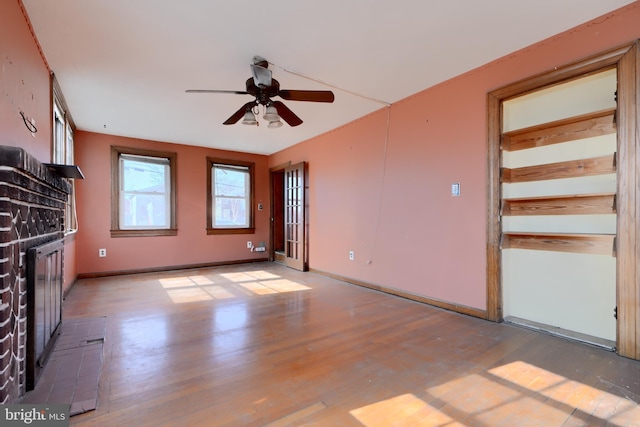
(274, 124)
(271, 114)
(249, 118)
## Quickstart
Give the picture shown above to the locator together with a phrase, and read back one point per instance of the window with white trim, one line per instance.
(143, 192)
(62, 152)
(230, 196)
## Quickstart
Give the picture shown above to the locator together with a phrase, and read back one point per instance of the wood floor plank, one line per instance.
(261, 344)
(298, 415)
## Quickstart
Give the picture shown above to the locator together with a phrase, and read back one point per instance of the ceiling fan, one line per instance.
(263, 87)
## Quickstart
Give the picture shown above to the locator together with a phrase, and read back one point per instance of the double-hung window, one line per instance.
(143, 192)
(229, 197)
(62, 152)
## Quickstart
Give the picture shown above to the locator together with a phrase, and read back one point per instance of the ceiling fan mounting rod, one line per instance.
(262, 93)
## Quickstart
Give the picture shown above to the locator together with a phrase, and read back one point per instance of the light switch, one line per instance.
(455, 189)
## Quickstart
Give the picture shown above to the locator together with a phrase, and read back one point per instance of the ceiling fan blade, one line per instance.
(261, 75)
(307, 95)
(286, 114)
(237, 92)
(239, 114)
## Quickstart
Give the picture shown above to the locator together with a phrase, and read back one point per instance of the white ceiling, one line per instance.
(124, 65)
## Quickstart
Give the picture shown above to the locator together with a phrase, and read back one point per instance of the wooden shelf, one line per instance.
(576, 204)
(598, 244)
(570, 169)
(578, 127)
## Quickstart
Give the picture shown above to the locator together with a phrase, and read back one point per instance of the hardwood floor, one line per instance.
(261, 344)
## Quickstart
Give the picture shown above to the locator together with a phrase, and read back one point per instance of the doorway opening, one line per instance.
(625, 164)
(558, 216)
(277, 216)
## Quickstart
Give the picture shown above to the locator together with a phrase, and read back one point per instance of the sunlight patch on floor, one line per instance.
(248, 276)
(258, 288)
(477, 399)
(516, 393)
(184, 289)
(218, 292)
(403, 410)
(179, 296)
(201, 280)
(615, 409)
(177, 282)
(274, 286)
(262, 275)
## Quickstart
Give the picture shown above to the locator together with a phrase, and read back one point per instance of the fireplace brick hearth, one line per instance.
(32, 206)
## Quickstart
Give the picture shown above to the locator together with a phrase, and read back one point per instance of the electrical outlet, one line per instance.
(352, 256)
(102, 253)
(249, 244)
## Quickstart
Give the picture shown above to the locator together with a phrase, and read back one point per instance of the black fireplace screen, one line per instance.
(44, 305)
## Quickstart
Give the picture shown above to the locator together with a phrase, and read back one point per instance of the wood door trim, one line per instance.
(628, 271)
(494, 264)
(279, 167)
(272, 211)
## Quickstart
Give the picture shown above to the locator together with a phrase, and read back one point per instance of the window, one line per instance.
(59, 141)
(62, 152)
(229, 197)
(142, 193)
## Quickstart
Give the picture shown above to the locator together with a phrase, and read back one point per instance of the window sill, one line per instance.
(250, 230)
(145, 233)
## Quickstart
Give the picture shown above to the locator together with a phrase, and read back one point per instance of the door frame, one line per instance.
(295, 216)
(626, 60)
(273, 171)
(279, 197)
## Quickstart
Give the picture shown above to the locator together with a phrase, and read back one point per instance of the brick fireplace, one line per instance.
(32, 206)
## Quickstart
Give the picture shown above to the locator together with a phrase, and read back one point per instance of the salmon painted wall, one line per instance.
(192, 245)
(385, 193)
(25, 86)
